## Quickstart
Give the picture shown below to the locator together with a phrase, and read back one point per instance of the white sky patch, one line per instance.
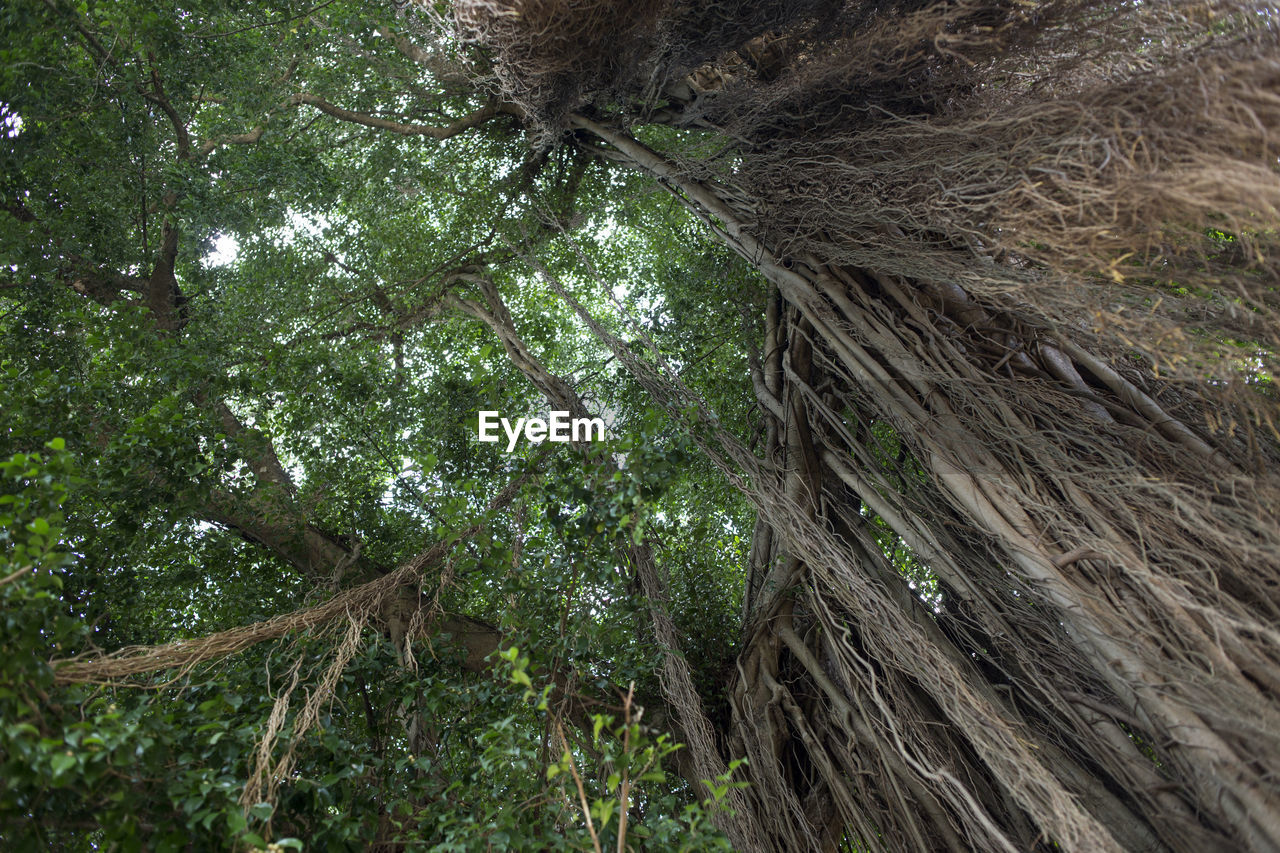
(225, 251)
(307, 226)
(10, 122)
(226, 248)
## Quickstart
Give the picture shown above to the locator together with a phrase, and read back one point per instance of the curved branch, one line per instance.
(479, 639)
(475, 119)
(209, 145)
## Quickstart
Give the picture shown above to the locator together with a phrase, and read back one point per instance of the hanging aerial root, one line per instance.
(1085, 164)
(743, 825)
(367, 598)
(267, 776)
(551, 50)
(992, 223)
(260, 762)
(1144, 205)
(895, 643)
(187, 654)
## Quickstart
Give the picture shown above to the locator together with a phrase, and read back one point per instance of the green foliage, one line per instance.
(618, 770)
(88, 757)
(323, 342)
(75, 762)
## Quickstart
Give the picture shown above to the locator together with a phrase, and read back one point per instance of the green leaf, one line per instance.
(61, 762)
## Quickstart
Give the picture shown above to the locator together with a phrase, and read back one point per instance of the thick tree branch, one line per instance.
(465, 123)
(475, 119)
(478, 639)
(157, 96)
(557, 391)
(253, 136)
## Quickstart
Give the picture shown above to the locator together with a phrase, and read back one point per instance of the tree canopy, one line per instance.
(935, 347)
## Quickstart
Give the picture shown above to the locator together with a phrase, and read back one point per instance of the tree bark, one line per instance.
(1114, 605)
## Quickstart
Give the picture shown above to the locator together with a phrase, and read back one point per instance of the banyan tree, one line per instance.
(993, 291)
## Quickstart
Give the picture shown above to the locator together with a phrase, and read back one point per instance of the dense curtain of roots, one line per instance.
(1024, 306)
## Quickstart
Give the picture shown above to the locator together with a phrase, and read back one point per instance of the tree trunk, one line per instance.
(1096, 671)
